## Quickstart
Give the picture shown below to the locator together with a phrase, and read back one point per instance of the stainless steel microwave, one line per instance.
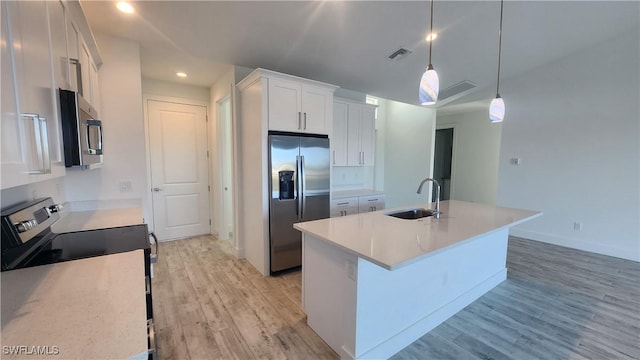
(81, 131)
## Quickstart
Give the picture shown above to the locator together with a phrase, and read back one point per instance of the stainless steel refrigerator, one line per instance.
(299, 183)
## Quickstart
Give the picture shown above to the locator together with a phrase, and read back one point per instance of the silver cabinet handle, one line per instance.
(343, 203)
(156, 189)
(151, 331)
(305, 121)
(334, 157)
(76, 62)
(363, 158)
(155, 247)
(41, 140)
(299, 120)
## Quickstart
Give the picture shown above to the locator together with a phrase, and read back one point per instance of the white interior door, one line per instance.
(179, 175)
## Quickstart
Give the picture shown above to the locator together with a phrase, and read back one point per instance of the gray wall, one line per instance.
(575, 124)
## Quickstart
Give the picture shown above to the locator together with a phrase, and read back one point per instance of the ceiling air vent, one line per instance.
(399, 54)
(455, 89)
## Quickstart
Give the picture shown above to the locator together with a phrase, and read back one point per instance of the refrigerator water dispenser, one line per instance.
(286, 184)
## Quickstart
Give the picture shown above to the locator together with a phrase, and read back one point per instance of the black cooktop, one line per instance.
(84, 244)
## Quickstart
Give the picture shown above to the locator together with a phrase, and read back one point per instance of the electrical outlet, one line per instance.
(125, 186)
(577, 226)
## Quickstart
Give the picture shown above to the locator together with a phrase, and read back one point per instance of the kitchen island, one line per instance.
(372, 284)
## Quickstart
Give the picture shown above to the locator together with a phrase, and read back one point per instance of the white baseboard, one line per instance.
(603, 249)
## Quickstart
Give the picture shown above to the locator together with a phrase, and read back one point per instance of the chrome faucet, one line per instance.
(436, 211)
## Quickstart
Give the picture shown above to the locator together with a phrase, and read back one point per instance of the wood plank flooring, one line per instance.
(556, 303)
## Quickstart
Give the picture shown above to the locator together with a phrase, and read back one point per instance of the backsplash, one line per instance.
(352, 178)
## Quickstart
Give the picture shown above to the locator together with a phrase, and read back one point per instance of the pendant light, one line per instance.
(496, 108)
(429, 84)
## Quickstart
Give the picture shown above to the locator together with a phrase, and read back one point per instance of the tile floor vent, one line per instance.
(399, 54)
(455, 89)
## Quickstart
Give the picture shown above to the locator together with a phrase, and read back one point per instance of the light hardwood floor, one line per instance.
(556, 303)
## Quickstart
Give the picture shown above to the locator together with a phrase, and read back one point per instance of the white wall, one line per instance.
(175, 90)
(575, 124)
(53, 188)
(121, 112)
(476, 154)
(409, 139)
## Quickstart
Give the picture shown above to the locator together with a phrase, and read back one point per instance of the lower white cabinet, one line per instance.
(370, 203)
(357, 204)
(344, 207)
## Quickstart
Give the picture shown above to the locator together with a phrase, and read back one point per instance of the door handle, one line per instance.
(334, 157)
(156, 189)
(303, 187)
(305, 121)
(299, 120)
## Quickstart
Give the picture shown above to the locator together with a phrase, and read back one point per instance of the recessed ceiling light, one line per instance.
(432, 36)
(125, 7)
(181, 74)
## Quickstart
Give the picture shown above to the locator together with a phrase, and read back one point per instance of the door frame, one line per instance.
(147, 201)
(220, 143)
(453, 153)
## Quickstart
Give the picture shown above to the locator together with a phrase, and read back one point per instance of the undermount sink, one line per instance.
(411, 214)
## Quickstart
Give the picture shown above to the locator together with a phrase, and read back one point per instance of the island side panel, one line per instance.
(395, 308)
(329, 293)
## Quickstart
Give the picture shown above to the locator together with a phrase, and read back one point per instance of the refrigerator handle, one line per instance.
(303, 187)
(298, 187)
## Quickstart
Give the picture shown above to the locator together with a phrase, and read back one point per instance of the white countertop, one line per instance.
(91, 308)
(352, 193)
(392, 243)
(97, 219)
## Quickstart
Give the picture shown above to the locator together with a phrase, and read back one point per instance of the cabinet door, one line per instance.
(317, 110)
(14, 168)
(33, 79)
(85, 65)
(339, 134)
(59, 60)
(354, 156)
(95, 92)
(73, 42)
(284, 105)
(368, 136)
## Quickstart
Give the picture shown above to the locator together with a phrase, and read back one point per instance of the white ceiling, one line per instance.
(347, 42)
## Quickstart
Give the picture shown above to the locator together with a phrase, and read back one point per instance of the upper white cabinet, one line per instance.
(353, 141)
(299, 105)
(35, 63)
(84, 60)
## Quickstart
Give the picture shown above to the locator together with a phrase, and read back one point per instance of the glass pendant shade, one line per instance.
(496, 110)
(429, 87)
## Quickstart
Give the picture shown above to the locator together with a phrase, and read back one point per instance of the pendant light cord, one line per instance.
(499, 49)
(431, 34)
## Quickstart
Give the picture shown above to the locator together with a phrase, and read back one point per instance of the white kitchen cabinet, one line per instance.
(296, 106)
(83, 70)
(370, 203)
(355, 127)
(339, 134)
(352, 202)
(344, 207)
(30, 124)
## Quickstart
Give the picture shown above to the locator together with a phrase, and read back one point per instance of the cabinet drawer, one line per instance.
(344, 211)
(344, 207)
(370, 203)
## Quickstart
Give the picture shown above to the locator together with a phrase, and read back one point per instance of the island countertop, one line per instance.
(393, 243)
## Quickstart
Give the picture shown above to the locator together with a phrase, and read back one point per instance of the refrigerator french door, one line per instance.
(299, 183)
